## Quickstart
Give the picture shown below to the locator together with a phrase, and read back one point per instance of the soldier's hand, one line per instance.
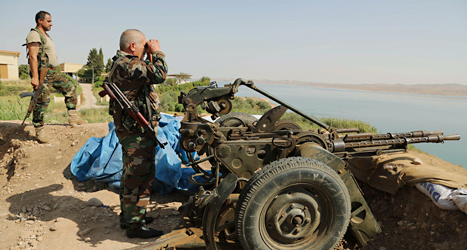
(153, 46)
(34, 82)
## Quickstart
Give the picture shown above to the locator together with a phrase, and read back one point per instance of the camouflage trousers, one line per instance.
(60, 83)
(138, 155)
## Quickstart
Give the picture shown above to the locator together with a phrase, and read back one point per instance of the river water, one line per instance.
(388, 112)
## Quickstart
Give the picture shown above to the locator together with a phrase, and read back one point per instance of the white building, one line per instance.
(9, 65)
(70, 68)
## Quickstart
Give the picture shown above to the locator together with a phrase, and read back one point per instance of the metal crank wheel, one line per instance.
(293, 203)
(236, 119)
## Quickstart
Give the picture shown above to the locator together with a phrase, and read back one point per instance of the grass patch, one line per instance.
(13, 108)
(8, 88)
(96, 88)
(95, 92)
(99, 115)
(96, 115)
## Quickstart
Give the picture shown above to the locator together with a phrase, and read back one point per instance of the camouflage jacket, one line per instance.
(135, 77)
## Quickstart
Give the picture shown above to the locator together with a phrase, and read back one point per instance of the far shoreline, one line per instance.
(445, 90)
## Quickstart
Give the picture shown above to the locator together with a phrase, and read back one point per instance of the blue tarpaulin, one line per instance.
(101, 159)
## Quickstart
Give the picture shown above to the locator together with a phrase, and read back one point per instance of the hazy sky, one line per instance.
(408, 42)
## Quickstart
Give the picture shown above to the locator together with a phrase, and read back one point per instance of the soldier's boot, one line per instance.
(41, 135)
(123, 225)
(143, 232)
(73, 118)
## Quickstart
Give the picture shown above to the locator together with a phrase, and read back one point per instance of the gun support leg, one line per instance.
(185, 238)
(363, 225)
(211, 213)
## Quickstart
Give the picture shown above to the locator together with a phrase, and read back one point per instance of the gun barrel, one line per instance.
(347, 130)
(432, 138)
(358, 137)
(369, 136)
(454, 137)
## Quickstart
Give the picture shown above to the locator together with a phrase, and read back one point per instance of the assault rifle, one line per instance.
(36, 94)
(116, 94)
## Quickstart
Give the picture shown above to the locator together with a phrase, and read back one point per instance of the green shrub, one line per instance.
(338, 123)
(162, 88)
(179, 108)
(364, 127)
(250, 105)
(1, 88)
(24, 76)
(170, 82)
(169, 97)
(263, 105)
(205, 79)
(98, 83)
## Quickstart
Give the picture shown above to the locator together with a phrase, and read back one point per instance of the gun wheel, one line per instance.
(293, 203)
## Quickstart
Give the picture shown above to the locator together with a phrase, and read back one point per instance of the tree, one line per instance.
(185, 76)
(108, 66)
(95, 61)
(85, 73)
(205, 79)
(100, 62)
(23, 71)
(171, 81)
(180, 78)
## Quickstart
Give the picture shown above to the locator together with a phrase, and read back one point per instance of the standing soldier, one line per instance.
(134, 77)
(42, 56)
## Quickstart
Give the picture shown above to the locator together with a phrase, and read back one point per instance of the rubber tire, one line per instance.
(247, 118)
(267, 183)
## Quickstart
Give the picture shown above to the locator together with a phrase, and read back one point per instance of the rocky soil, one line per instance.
(43, 206)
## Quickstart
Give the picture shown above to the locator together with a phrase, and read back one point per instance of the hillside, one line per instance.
(43, 206)
(448, 89)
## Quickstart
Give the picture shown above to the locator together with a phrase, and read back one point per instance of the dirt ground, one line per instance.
(43, 206)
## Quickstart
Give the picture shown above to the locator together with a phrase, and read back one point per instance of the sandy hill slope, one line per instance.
(43, 206)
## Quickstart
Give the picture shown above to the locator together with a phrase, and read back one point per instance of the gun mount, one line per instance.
(273, 184)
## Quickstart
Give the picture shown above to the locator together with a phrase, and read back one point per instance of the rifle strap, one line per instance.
(148, 104)
(43, 42)
(145, 90)
(42, 56)
(114, 65)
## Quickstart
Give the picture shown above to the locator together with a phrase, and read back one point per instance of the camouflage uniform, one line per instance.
(59, 82)
(135, 78)
(47, 58)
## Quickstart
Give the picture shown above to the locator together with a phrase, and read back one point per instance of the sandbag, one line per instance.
(390, 172)
(459, 197)
(439, 194)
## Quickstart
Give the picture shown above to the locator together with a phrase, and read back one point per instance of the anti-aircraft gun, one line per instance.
(273, 185)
